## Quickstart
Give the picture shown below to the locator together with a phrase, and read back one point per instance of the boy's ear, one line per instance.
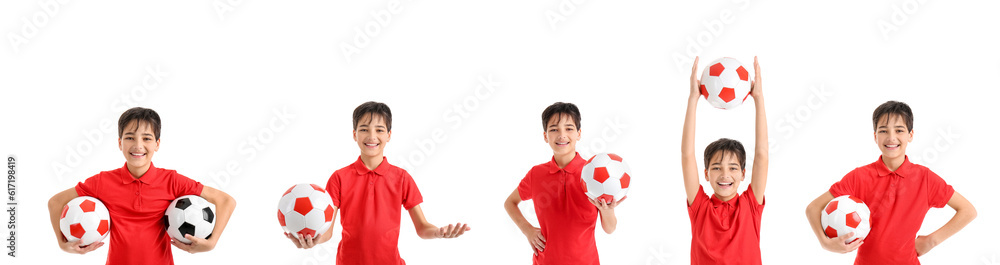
(157, 147)
(388, 136)
(545, 136)
(911, 135)
(706, 175)
(119, 143)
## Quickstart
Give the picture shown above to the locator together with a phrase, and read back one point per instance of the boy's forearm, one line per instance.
(813, 214)
(515, 215)
(761, 145)
(964, 214)
(225, 210)
(609, 222)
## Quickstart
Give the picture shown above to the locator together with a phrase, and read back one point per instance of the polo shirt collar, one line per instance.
(717, 202)
(574, 165)
(152, 175)
(382, 169)
(901, 171)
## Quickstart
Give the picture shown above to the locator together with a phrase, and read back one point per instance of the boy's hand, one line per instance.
(196, 245)
(603, 206)
(303, 242)
(536, 240)
(756, 90)
(924, 244)
(75, 248)
(695, 84)
(452, 231)
(837, 244)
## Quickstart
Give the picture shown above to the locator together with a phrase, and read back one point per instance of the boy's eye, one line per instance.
(881, 131)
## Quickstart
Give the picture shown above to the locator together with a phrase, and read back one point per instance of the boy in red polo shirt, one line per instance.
(725, 228)
(136, 195)
(566, 215)
(898, 193)
(370, 192)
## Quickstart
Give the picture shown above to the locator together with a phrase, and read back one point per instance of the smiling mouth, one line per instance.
(137, 155)
(562, 143)
(891, 146)
(371, 145)
(724, 184)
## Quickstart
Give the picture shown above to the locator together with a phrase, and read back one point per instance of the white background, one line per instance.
(225, 68)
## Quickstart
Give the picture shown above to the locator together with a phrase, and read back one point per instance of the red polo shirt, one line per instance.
(136, 207)
(565, 214)
(369, 203)
(725, 232)
(898, 201)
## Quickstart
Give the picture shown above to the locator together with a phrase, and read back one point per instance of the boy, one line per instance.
(725, 228)
(136, 196)
(371, 191)
(566, 215)
(898, 193)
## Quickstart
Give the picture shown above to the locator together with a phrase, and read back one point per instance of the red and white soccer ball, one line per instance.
(846, 214)
(305, 209)
(85, 219)
(725, 83)
(606, 177)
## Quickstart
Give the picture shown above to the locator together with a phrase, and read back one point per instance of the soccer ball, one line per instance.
(725, 83)
(605, 177)
(85, 219)
(190, 215)
(305, 209)
(846, 214)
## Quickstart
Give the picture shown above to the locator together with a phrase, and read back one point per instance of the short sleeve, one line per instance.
(750, 196)
(411, 195)
(699, 200)
(183, 185)
(847, 185)
(938, 191)
(90, 187)
(524, 188)
(333, 188)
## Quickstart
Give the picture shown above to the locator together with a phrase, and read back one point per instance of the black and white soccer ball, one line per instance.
(189, 215)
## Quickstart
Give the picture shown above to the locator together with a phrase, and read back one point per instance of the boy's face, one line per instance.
(561, 134)
(892, 136)
(372, 134)
(725, 175)
(138, 144)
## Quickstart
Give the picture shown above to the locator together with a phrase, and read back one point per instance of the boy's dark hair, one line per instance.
(891, 108)
(726, 145)
(561, 108)
(372, 108)
(140, 115)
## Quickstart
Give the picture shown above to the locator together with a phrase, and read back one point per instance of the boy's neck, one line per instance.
(138, 172)
(893, 163)
(371, 162)
(563, 160)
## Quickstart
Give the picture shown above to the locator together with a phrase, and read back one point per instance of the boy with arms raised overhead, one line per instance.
(725, 228)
